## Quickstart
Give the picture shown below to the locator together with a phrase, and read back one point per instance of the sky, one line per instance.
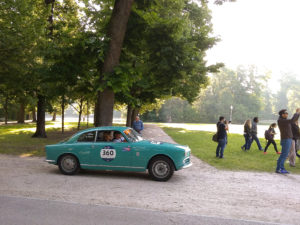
(265, 33)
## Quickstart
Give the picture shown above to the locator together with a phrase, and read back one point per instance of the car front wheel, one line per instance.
(68, 164)
(161, 168)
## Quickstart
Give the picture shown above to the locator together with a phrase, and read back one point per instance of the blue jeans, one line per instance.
(255, 138)
(285, 148)
(248, 141)
(220, 148)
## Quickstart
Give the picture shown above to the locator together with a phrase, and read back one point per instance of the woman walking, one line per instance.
(247, 135)
(269, 135)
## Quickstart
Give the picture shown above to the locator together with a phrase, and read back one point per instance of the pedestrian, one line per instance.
(138, 125)
(296, 136)
(222, 128)
(247, 135)
(269, 135)
(286, 136)
(254, 133)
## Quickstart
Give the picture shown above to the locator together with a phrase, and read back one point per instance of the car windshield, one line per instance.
(132, 135)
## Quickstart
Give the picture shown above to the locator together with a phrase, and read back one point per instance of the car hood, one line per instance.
(162, 143)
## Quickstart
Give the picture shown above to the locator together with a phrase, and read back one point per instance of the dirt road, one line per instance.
(199, 190)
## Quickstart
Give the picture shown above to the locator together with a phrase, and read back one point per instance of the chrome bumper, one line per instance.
(49, 161)
(187, 166)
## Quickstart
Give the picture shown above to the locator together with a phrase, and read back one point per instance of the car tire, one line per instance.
(161, 168)
(68, 164)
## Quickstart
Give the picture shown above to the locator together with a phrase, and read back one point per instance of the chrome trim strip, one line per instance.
(187, 166)
(112, 166)
(48, 160)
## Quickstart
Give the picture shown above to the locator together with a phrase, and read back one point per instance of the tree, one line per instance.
(240, 88)
(116, 33)
(165, 48)
(288, 95)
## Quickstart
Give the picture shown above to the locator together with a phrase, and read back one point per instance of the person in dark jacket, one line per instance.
(254, 133)
(247, 135)
(286, 136)
(270, 138)
(296, 136)
(222, 128)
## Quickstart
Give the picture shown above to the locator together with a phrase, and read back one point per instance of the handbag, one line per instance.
(215, 137)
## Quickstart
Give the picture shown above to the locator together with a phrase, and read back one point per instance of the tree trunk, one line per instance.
(87, 113)
(105, 107)
(116, 33)
(80, 113)
(129, 115)
(134, 114)
(63, 114)
(21, 114)
(6, 109)
(33, 115)
(40, 125)
(96, 118)
(54, 116)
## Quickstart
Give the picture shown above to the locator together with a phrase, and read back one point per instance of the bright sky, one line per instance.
(265, 33)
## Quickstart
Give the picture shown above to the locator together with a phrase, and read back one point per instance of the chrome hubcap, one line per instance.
(161, 169)
(68, 163)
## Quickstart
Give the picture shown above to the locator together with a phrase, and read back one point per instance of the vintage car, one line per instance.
(118, 148)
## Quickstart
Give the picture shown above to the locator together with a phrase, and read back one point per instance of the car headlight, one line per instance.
(186, 150)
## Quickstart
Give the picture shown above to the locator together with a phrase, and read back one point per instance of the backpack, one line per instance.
(268, 135)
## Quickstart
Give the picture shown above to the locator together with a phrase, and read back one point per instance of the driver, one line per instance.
(118, 137)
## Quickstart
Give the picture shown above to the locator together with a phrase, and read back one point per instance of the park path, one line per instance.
(198, 190)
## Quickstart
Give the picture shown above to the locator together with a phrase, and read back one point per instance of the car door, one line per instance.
(111, 155)
(84, 146)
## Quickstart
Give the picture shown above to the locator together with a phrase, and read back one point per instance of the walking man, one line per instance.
(138, 125)
(254, 133)
(286, 137)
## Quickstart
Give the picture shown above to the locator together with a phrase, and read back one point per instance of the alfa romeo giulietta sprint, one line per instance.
(118, 148)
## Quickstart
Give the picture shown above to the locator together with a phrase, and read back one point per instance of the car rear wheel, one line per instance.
(161, 168)
(68, 164)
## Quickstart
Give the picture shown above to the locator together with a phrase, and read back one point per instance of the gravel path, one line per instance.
(199, 190)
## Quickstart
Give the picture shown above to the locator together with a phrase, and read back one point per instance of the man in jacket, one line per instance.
(296, 136)
(254, 133)
(222, 127)
(286, 137)
(138, 125)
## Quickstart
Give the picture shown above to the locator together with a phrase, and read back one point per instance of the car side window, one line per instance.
(87, 137)
(104, 136)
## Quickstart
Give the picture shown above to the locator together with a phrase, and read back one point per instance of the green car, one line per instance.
(118, 148)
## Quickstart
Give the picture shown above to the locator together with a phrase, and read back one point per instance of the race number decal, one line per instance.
(108, 153)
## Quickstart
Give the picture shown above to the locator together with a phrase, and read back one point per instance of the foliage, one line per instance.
(240, 89)
(164, 48)
(173, 110)
(289, 93)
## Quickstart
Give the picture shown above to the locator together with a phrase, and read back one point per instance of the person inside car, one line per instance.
(118, 137)
(107, 136)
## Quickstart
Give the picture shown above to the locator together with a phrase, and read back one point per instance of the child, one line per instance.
(269, 135)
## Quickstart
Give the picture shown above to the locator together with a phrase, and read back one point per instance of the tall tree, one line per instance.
(116, 34)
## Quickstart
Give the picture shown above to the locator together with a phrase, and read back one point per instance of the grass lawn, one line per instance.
(234, 158)
(15, 139)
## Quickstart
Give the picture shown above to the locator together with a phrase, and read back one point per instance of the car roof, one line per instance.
(104, 128)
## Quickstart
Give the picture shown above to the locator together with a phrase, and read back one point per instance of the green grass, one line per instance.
(15, 139)
(235, 159)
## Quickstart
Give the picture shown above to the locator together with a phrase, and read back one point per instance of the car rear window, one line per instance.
(87, 137)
